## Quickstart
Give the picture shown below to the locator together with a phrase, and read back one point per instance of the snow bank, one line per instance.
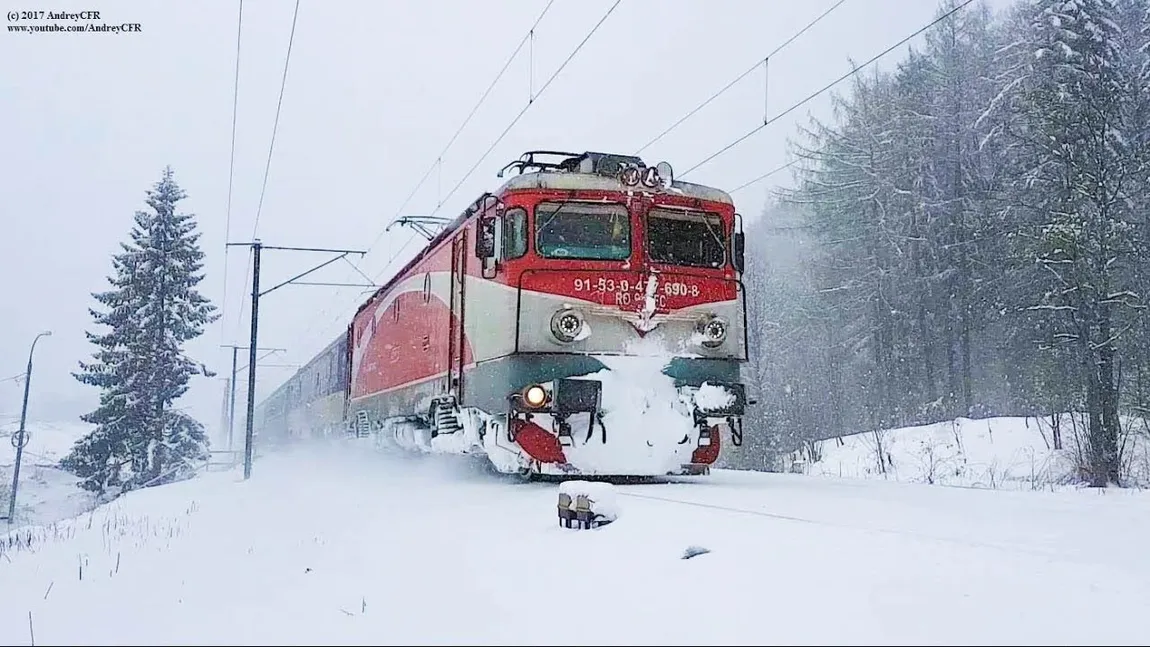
(1001, 452)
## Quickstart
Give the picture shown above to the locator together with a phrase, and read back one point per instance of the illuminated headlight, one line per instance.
(535, 396)
(567, 325)
(713, 331)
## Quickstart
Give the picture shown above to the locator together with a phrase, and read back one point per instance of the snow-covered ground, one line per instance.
(46, 493)
(337, 544)
(1012, 453)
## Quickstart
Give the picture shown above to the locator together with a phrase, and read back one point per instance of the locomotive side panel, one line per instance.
(399, 342)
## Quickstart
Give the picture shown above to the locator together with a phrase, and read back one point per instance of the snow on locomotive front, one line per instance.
(616, 292)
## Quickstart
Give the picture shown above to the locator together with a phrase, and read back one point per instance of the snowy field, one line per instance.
(342, 545)
(994, 453)
(46, 493)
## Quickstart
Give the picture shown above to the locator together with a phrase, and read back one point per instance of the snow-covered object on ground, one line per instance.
(604, 504)
(695, 551)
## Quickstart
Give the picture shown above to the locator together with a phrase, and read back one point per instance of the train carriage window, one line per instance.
(514, 233)
(680, 237)
(583, 230)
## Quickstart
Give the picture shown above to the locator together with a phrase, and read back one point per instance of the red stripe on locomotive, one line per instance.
(405, 351)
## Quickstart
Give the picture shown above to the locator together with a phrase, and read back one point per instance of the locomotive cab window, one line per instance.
(514, 233)
(583, 230)
(691, 238)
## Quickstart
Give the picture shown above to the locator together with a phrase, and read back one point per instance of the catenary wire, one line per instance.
(742, 76)
(271, 151)
(826, 87)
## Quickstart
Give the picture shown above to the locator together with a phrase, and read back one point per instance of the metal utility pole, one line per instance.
(257, 247)
(232, 385)
(21, 437)
(232, 400)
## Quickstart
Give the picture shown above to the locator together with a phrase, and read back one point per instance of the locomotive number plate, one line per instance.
(626, 291)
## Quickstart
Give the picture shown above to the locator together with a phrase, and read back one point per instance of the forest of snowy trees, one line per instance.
(968, 236)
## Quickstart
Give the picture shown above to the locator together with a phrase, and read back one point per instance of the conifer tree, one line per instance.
(977, 239)
(139, 365)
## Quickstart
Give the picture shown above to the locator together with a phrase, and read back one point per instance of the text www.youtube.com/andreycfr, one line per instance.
(51, 22)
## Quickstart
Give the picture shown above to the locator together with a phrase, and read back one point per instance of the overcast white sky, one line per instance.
(374, 92)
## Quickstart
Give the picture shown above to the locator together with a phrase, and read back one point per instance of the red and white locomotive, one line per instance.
(587, 318)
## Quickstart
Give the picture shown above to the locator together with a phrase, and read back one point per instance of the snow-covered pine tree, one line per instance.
(152, 309)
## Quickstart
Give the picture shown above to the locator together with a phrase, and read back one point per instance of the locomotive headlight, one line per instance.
(535, 396)
(567, 325)
(713, 331)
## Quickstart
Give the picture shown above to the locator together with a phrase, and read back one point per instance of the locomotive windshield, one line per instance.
(678, 237)
(582, 230)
